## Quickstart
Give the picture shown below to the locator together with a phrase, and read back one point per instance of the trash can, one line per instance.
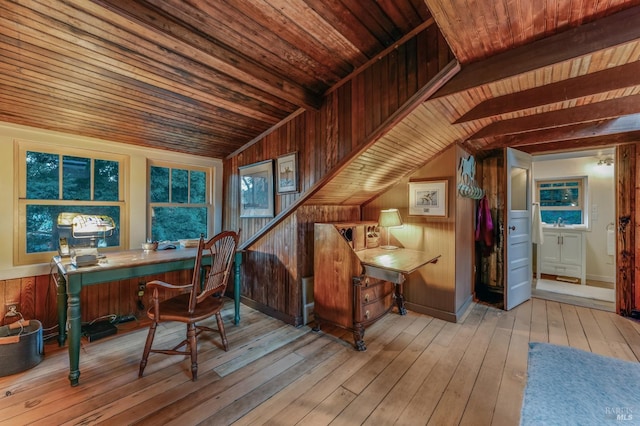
(21, 346)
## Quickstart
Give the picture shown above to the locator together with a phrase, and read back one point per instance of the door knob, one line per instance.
(512, 227)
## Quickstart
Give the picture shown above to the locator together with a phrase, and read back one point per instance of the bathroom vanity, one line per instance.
(563, 252)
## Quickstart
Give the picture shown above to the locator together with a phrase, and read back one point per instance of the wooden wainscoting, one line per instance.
(37, 297)
(416, 370)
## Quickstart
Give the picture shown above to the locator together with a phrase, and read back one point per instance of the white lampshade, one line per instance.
(389, 217)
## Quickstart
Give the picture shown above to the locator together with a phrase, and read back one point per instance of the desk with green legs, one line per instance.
(117, 266)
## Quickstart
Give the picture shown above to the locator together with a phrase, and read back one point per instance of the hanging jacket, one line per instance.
(484, 227)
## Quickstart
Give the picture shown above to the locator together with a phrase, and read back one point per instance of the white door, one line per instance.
(518, 238)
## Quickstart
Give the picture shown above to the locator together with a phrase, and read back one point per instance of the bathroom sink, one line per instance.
(577, 227)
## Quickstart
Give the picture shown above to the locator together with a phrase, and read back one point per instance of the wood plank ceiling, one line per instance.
(202, 77)
(209, 77)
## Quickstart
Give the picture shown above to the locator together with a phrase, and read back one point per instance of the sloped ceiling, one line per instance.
(210, 77)
(201, 77)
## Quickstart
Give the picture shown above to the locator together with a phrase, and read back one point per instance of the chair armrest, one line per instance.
(163, 285)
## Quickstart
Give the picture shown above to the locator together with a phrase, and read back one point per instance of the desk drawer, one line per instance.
(374, 289)
(372, 299)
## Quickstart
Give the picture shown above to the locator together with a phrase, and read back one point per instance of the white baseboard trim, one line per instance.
(603, 278)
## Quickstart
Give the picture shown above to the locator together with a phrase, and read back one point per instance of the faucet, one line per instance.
(559, 223)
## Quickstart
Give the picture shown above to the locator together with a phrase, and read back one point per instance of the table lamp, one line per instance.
(389, 218)
(92, 227)
(89, 226)
(84, 226)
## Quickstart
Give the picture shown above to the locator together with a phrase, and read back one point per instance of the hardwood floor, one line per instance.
(416, 370)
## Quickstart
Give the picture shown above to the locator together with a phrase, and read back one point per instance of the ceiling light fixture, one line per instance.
(605, 161)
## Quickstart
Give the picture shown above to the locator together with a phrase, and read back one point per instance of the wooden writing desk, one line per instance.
(394, 266)
(117, 266)
(355, 286)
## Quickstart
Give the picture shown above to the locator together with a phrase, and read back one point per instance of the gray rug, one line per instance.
(567, 386)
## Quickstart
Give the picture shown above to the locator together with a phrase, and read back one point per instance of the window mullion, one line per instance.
(188, 186)
(170, 184)
(92, 169)
(60, 177)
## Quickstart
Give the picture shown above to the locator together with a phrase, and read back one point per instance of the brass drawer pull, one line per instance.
(367, 314)
(366, 298)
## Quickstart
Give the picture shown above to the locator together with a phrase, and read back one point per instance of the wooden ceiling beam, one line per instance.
(623, 128)
(607, 80)
(610, 108)
(620, 28)
(582, 144)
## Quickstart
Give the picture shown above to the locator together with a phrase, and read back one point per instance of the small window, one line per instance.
(179, 202)
(562, 200)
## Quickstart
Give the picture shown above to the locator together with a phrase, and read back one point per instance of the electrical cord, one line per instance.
(20, 321)
(113, 318)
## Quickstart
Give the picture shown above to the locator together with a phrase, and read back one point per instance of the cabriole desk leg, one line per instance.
(358, 337)
(400, 299)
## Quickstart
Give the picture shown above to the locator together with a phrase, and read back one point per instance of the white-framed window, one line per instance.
(562, 199)
(179, 201)
(56, 184)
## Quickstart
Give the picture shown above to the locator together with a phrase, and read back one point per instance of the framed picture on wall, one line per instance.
(287, 173)
(428, 198)
(256, 189)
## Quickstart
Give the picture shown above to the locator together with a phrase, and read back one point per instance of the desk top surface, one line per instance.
(126, 259)
(399, 260)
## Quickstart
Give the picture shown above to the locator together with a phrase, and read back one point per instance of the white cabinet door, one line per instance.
(550, 250)
(571, 251)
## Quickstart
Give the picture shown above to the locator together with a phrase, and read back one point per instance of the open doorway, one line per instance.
(575, 262)
(584, 273)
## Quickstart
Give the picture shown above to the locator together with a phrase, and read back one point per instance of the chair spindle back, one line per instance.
(221, 248)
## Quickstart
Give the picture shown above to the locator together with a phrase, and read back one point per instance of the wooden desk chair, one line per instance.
(204, 299)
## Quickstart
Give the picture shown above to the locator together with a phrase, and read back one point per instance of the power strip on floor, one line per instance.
(98, 330)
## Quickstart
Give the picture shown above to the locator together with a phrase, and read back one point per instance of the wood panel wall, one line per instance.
(37, 298)
(635, 211)
(279, 291)
(627, 211)
(273, 283)
(465, 209)
(322, 138)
